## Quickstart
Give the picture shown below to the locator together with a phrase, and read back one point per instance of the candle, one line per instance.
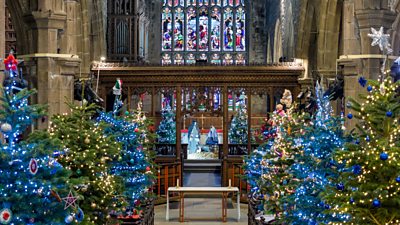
(230, 182)
(177, 182)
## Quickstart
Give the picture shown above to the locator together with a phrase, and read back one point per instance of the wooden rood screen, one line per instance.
(208, 94)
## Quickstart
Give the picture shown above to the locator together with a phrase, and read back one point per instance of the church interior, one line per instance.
(200, 112)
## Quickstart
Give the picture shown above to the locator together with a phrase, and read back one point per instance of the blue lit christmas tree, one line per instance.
(166, 131)
(31, 181)
(238, 129)
(314, 168)
(135, 165)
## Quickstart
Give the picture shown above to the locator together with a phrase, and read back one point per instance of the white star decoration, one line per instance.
(70, 201)
(380, 39)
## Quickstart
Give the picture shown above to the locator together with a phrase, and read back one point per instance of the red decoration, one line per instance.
(136, 129)
(33, 166)
(10, 62)
(147, 168)
(5, 216)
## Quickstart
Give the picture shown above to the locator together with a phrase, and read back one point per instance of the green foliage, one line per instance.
(367, 176)
(88, 154)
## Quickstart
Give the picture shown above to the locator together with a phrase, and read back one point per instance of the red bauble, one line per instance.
(148, 168)
(136, 129)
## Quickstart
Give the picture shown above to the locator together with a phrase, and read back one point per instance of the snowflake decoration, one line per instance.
(380, 39)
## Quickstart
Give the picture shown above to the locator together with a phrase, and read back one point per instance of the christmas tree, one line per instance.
(268, 167)
(135, 166)
(370, 181)
(31, 180)
(314, 168)
(238, 130)
(166, 132)
(88, 154)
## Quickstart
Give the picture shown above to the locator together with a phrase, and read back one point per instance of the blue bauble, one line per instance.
(350, 116)
(367, 139)
(68, 219)
(340, 186)
(351, 200)
(398, 179)
(384, 156)
(376, 203)
(327, 206)
(357, 169)
(357, 141)
(369, 88)
(389, 114)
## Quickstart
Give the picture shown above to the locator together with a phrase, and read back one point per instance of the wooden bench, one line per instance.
(223, 191)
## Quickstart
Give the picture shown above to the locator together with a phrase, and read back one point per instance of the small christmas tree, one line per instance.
(238, 130)
(88, 154)
(166, 132)
(30, 180)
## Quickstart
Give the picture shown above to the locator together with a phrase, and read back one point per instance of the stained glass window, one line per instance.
(212, 31)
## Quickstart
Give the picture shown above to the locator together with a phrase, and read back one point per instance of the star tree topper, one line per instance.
(380, 39)
(70, 200)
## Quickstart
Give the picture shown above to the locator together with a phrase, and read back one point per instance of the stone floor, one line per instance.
(207, 209)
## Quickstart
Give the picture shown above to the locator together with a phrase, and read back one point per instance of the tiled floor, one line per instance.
(202, 208)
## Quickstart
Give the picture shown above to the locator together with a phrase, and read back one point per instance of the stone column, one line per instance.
(370, 13)
(52, 73)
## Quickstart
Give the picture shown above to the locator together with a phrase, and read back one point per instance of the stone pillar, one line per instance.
(370, 13)
(52, 73)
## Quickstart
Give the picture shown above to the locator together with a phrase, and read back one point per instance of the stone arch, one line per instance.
(17, 10)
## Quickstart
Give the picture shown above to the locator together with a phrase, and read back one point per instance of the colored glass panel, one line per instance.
(240, 39)
(203, 29)
(228, 2)
(190, 2)
(166, 30)
(228, 29)
(179, 59)
(227, 60)
(240, 59)
(215, 29)
(191, 29)
(166, 59)
(178, 30)
(215, 59)
(169, 2)
(203, 57)
(190, 59)
(203, 2)
(179, 2)
(216, 2)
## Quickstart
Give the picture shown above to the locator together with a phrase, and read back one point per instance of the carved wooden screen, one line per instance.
(120, 32)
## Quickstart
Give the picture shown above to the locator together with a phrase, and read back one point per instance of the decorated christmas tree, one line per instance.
(135, 166)
(370, 189)
(238, 129)
(31, 181)
(268, 167)
(88, 154)
(314, 167)
(166, 132)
